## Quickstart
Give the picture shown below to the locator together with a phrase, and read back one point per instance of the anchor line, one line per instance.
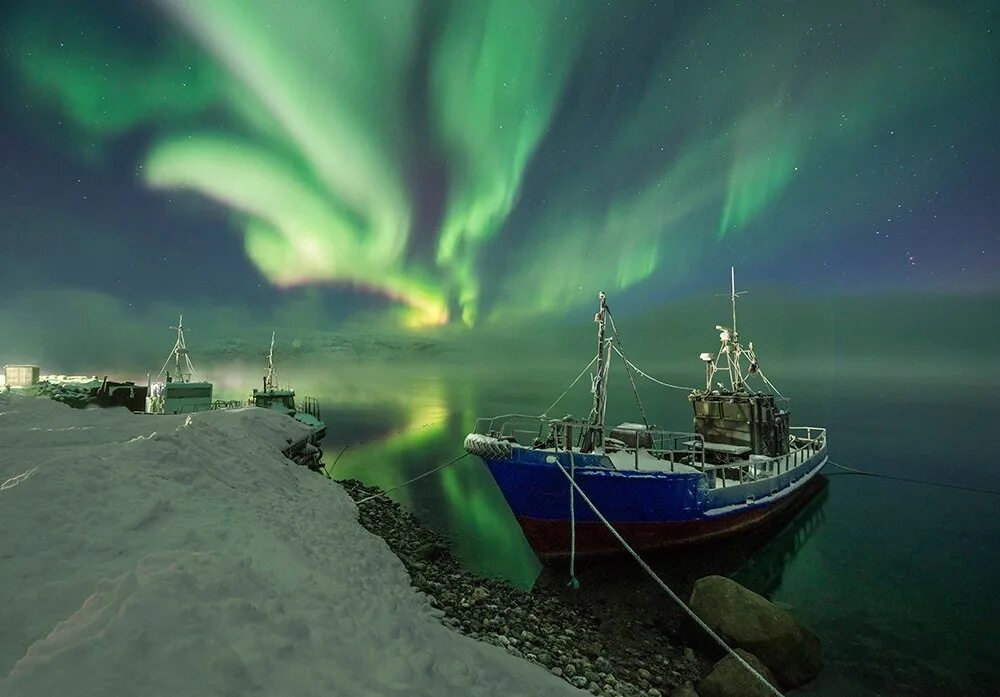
(327, 470)
(645, 567)
(911, 480)
(410, 481)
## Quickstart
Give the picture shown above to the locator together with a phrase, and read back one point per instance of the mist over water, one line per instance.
(897, 579)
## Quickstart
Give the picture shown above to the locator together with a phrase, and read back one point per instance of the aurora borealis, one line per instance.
(480, 162)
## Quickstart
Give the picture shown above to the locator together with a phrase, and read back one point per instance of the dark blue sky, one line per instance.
(836, 150)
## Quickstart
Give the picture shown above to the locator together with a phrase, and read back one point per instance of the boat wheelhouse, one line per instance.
(178, 393)
(742, 464)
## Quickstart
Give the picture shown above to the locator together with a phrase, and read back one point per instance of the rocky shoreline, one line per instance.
(539, 625)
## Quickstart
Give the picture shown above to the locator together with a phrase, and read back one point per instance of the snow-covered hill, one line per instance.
(163, 555)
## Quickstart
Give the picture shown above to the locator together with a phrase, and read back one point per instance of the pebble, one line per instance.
(537, 626)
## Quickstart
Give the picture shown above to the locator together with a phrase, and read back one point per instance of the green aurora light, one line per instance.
(301, 121)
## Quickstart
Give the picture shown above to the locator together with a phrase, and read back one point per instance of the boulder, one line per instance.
(749, 621)
(685, 690)
(730, 678)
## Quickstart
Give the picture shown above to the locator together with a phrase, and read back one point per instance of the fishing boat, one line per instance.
(180, 392)
(282, 399)
(742, 465)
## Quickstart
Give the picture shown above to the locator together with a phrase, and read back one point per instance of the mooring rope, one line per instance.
(665, 587)
(410, 481)
(574, 582)
(912, 480)
(17, 479)
(327, 471)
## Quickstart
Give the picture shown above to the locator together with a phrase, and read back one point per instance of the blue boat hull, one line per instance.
(651, 510)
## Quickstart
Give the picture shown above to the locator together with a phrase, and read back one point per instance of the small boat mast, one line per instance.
(731, 352)
(183, 368)
(595, 434)
(269, 381)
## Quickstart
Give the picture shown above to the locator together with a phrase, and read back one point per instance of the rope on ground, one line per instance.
(650, 377)
(410, 481)
(664, 586)
(943, 485)
(566, 391)
(17, 479)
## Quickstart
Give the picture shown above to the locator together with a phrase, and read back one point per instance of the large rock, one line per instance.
(730, 678)
(749, 621)
(685, 690)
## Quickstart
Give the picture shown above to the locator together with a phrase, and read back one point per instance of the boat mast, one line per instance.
(180, 354)
(732, 278)
(735, 351)
(269, 379)
(595, 435)
(731, 348)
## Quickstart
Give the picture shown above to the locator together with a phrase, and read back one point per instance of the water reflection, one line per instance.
(765, 568)
(415, 427)
(869, 565)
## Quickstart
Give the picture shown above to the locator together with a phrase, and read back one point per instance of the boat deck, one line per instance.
(756, 468)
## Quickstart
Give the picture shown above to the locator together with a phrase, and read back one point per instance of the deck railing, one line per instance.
(572, 433)
(310, 405)
(801, 448)
(804, 442)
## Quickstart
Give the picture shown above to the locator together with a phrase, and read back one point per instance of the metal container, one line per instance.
(21, 375)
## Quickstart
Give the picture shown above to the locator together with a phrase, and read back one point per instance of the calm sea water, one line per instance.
(898, 580)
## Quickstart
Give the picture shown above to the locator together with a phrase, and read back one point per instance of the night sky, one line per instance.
(419, 164)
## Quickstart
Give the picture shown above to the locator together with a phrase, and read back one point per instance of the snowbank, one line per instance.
(182, 555)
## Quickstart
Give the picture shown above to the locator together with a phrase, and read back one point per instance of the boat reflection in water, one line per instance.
(460, 501)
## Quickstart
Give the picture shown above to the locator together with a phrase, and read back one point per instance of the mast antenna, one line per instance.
(269, 380)
(733, 296)
(183, 368)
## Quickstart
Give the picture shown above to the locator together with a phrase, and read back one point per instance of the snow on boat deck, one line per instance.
(174, 555)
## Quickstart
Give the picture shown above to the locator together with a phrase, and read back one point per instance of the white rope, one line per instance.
(410, 481)
(566, 391)
(665, 587)
(17, 479)
(650, 377)
(572, 516)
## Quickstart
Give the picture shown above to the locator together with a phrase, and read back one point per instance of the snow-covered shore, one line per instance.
(184, 556)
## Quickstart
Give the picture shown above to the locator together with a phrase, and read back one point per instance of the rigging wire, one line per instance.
(621, 352)
(566, 391)
(650, 377)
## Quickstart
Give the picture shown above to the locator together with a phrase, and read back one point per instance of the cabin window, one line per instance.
(189, 393)
(710, 409)
(736, 411)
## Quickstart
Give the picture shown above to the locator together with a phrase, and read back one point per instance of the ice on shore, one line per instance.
(183, 555)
